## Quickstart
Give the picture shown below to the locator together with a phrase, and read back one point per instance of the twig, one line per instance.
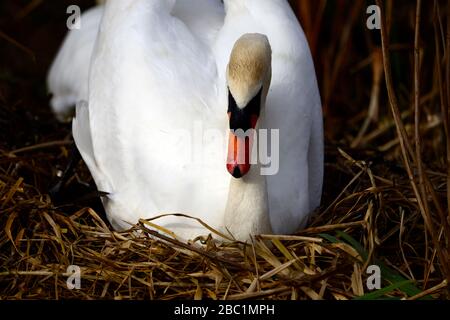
(289, 238)
(341, 54)
(18, 45)
(39, 146)
(258, 295)
(417, 139)
(28, 9)
(334, 227)
(444, 107)
(372, 114)
(422, 294)
(447, 62)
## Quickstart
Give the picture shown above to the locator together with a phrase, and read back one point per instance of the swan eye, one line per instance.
(244, 118)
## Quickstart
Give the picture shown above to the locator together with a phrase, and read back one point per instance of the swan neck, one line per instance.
(247, 209)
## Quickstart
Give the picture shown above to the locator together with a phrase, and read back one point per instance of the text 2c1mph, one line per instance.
(202, 312)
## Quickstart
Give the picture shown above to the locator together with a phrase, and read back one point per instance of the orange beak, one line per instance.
(239, 152)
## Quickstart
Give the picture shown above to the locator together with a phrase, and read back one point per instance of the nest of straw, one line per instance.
(385, 199)
(372, 221)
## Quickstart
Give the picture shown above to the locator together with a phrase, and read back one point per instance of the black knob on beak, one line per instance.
(237, 172)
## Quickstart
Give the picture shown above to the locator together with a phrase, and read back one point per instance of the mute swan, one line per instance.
(67, 79)
(153, 78)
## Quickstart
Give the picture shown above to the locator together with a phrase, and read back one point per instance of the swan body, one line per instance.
(67, 79)
(156, 85)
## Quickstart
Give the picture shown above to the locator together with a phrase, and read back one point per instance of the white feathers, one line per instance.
(68, 75)
(157, 83)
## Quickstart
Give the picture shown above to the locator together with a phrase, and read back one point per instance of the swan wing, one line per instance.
(204, 18)
(67, 78)
(151, 84)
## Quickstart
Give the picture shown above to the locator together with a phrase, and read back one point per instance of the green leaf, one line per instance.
(392, 276)
(380, 293)
(387, 273)
(329, 238)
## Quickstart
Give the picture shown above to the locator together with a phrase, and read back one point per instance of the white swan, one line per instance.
(67, 79)
(154, 86)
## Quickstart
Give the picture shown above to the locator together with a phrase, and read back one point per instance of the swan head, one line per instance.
(248, 79)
